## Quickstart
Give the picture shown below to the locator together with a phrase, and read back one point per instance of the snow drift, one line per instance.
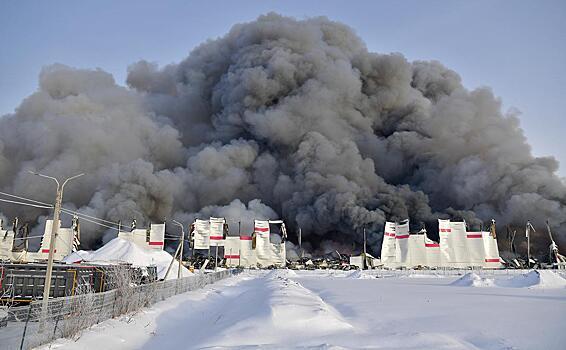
(279, 118)
(473, 280)
(358, 274)
(540, 279)
(281, 274)
(536, 279)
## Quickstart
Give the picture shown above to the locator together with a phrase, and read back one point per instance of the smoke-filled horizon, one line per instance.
(279, 118)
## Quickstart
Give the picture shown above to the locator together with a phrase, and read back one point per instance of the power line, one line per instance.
(50, 206)
(24, 238)
(85, 217)
(24, 198)
(28, 204)
(68, 211)
(91, 221)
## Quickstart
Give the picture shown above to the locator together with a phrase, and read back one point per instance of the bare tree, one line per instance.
(130, 293)
(76, 312)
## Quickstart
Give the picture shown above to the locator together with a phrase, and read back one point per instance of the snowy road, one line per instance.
(323, 310)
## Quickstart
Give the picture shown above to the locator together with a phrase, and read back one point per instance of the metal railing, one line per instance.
(67, 316)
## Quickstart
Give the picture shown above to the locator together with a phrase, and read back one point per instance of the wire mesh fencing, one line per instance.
(26, 327)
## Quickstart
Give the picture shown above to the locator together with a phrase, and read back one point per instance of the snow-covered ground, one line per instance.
(334, 310)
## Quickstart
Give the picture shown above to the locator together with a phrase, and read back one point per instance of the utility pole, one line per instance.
(216, 259)
(53, 238)
(171, 263)
(182, 245)
(191, 238)
(178, 251)
(301, 243)
(365, 245)
(528, 234)
(529, 250)
(365, 249)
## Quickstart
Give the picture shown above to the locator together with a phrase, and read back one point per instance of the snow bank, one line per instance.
(271, 308)
(536, 279)
(295, 309)
(422, 275)
(358, 274)
(473, 280)
(281, 274)
(532, 279)
(120, 250)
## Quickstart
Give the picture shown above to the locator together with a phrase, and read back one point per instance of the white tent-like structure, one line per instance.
(402, 243)
(268, 253)
(66, 243)
(457, 248)
(7, 244)
(146, 238)
(217, 231)
(262, 245)
(476, 249)
(63, 243)
(388, 255)
(278, 252)
(492, 259)
(256, 250)
(232, 251)
(458, 242)
(201, 234)
(432, 251)
(447, 257)
(247, 253)
(417, 253)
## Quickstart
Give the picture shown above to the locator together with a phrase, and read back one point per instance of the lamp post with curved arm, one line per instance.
(54, 231)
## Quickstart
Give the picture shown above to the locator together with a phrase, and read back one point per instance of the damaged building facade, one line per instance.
(457, 247)
(265, 247)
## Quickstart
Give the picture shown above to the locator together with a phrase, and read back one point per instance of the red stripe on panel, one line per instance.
(432, 245)
(245, 238)
(155, 243)
(491, 260)
(402, 237)
(216, 238)
(262, 229)
(47, 250)
(231, 257)
(473, 235)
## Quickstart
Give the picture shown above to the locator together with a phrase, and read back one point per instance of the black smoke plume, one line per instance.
(279, 118)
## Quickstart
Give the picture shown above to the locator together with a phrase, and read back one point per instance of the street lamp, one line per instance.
(179, 251)
(182, 245)
(54, 230)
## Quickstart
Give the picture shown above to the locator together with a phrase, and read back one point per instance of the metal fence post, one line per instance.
(101, 308)
(140, 305)
(114, 303)
(57, 320)
(25, 328)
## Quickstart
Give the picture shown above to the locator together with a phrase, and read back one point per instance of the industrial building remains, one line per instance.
(457, 248)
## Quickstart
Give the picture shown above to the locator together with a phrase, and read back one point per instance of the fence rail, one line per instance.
(67, 316)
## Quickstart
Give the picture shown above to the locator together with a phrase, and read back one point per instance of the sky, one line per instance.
(518, 48)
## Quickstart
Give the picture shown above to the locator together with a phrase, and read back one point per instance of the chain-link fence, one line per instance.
(66, 317)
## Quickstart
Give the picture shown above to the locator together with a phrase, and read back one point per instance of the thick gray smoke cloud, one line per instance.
(280, 117)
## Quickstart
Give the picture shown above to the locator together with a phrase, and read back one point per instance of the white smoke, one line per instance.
(294, 117)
